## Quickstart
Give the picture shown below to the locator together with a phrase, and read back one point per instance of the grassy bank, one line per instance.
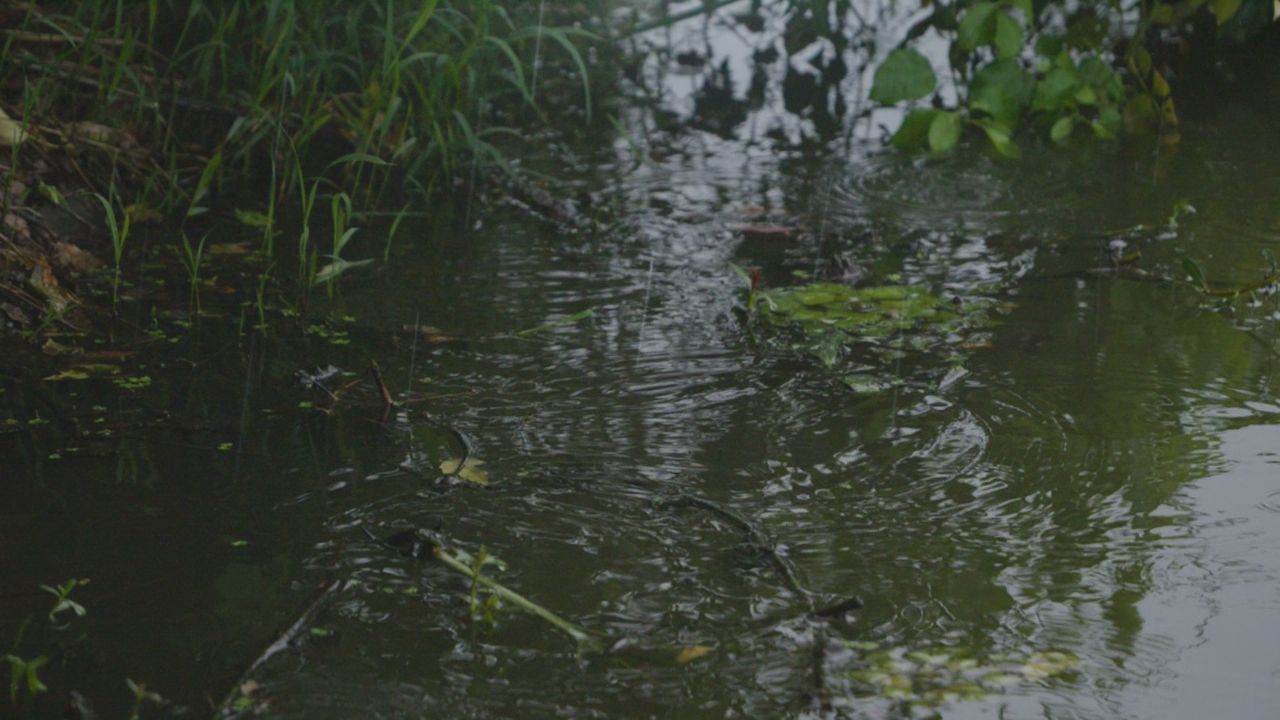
(119, 114)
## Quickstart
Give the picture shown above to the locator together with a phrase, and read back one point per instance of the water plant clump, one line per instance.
(859, 331)
(923, 681)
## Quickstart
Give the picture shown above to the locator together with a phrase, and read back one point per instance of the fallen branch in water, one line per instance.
(819, 694)
(757, 537)
(230, 706)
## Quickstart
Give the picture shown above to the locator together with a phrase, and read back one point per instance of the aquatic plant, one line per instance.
(192, 261)
(62, 598)
(25, 673)
(922, 681)
(118, 227)
(831, 321)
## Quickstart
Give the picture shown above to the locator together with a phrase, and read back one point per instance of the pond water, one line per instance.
(1098, 490)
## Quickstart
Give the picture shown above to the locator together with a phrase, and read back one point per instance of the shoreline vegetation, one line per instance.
(122, 124)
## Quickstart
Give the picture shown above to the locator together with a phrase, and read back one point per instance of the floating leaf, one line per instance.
(67, 375)
(867, 384)
(133, 383)
(470, 470)
(57, 349)
(576, 317)
(1043, 665)
(691, 653)
(954, 375)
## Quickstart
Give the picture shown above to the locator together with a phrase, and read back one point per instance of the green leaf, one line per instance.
(1002, 89)
(1061, 129)
(868, 384)
(1048, 46)
(1196, 273)
(357, 157)
(1161, 14)
(914, 132)
(944, 131)
(904, 75)
(202, 186)
(1140, 62)
(1009, 38)
(1245, 21)
(331, 271)
(34, 686)
(16, 666)
(1001, 142)
(1027, 7)
(1109, 123)
(1102, 78)
(978, 26)
(1056, 89)
(1141, 116)
(253, 219)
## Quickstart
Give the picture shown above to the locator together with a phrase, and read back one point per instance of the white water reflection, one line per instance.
(1218, 601)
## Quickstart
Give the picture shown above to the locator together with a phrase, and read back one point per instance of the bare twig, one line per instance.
(227, 708)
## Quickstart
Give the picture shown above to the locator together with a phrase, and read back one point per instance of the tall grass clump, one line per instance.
(274, 102)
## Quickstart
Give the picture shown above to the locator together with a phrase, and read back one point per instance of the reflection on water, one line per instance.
(1100, 482)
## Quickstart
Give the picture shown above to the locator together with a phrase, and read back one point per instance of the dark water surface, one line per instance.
(1104, 481)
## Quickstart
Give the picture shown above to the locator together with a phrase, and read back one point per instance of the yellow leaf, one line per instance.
(1159, 86)
(67, 375)
(1224, 9)
(11, 132)
(470, 470)
(691, 653)
(238, 248)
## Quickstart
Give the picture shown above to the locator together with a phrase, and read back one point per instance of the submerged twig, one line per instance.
(816, 617)
(228, 709)
(376, 372)
(758, 538)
